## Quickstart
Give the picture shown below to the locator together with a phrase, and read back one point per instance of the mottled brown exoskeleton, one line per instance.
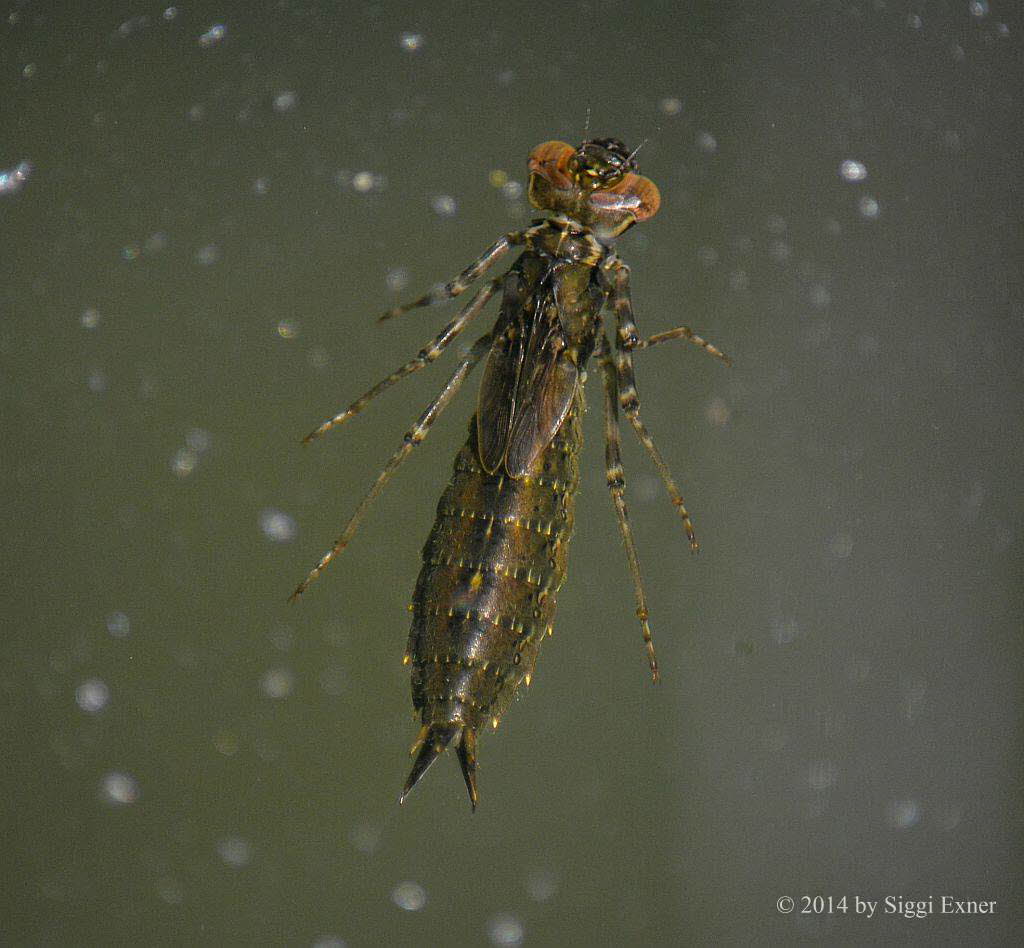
(496, 557)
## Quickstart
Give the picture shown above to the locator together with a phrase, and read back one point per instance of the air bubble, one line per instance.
(118, 625)
(207, 256)
(278, 683)
(851, 170)
(822, 775)
(444, 205)
(505, 930)
(409, 896)
(119, 788)
(285, 101)
(278, 526)
(868, 207)
(235, 851)
(707, 143)
(92, 695)
(903, 814)
(214, 35)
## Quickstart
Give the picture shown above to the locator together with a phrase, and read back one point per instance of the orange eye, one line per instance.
(551, 160)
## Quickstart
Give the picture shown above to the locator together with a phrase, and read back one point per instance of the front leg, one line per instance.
(477, 268)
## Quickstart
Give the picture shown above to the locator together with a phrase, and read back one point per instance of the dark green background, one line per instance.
(840, 706)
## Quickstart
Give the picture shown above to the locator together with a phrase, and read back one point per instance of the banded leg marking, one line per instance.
(413, 437)
(684, 332)
(426, 355)
(627, 339)
(462, 282)
(617, 487)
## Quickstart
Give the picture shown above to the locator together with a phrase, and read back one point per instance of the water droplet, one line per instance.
(671, 105)
(278, 526)
(397, 279)
(285, 101)
(505, 930)
(978, 8)
(278, 683)
(707, 256)
(92, 695)
(542, 884)
(868, 207)
(156, 242)
(208, 255)
(119, 788)
(444, 205)
(820, 296)
(287, 329)
(199, 440)
(214, 35)
(841, 545)
(707, 143)
(822, 775)
(12, 179)
(90, 317)
(169, 890)
(903, 814)
(717, 412)
(411, 42)
(850, 170)
(118, 625)
(184, 462)
(365, 837)
(364, 181)
(235, 851)
(409, 896)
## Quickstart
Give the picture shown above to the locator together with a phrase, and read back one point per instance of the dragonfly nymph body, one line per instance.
(497, 554)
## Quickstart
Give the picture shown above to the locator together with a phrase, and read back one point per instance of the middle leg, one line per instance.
(413, 437)
(627, 339)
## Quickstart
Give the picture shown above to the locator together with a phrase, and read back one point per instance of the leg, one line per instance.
(426, 355)
(412, 439)
(627, 340)
(459, 285)
(682, 332)
(617, 487)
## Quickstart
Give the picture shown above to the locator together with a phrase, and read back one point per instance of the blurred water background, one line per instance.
(203, 208)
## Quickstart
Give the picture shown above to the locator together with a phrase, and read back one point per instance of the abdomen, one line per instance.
(486, 595)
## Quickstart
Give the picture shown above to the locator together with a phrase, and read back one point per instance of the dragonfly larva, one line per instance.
(496, 556)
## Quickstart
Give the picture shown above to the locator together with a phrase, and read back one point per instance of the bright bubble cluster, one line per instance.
(12, 179)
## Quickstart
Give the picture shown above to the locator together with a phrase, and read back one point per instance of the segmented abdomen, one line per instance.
(492, 567)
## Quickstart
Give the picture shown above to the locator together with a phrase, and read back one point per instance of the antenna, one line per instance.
(586, 127)
(632, 154)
